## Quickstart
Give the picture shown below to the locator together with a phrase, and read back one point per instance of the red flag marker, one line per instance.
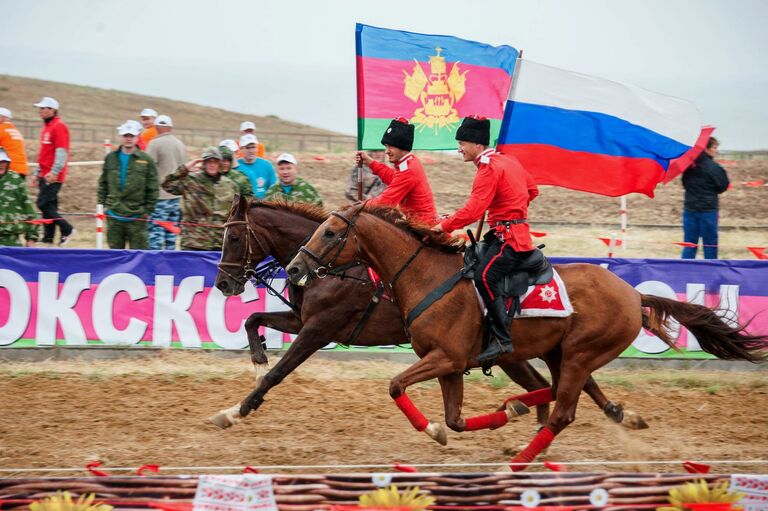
(696, 468)
(404, 468)
(250, 470)
(92, 469)
(151, 468)
(607, 241)
(758, 252)
(555, 467)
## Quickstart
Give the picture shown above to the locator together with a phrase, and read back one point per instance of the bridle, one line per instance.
(327, 268)
(249, 270)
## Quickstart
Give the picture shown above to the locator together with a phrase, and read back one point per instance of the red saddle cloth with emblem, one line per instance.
(545, 300)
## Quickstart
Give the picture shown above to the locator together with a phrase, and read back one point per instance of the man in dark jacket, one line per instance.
(703, 182)
(128, 188)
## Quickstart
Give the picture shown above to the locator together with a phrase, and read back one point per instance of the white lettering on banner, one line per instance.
(103, 301)
(55, 305)
(649, 343)
(215, 311)
(170, 311)
(275, 304)
(729, 304)
(19, 306)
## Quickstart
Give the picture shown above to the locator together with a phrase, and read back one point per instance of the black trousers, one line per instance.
(498, 261)
(48, 203)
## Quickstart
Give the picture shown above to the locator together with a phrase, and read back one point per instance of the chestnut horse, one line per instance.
(608, 314)
(330, 309)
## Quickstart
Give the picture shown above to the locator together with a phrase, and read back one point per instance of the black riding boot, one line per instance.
(497, 313)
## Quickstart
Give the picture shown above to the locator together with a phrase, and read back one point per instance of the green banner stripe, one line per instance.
(370, 131)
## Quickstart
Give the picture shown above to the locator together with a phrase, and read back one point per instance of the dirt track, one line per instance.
(129, 413)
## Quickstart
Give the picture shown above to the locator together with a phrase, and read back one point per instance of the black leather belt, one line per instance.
(507, 223)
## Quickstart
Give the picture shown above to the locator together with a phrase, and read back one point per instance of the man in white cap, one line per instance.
(15, 207)
(12, 141)
(128, 189)
(52, 169)
(258, 170)
(147, 117)
(249, 128)
(169, 153)
(291, 187)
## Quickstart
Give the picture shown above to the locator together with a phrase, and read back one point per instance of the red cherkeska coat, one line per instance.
(408, 187)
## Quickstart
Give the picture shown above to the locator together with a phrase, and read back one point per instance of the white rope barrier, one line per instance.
(390, 466)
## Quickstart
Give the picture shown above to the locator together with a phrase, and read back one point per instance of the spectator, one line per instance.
(242, 182)
(258, 170)
(372, 184)
(149, 132)
(703, 182)
(13, 142)
(291, 187)
(207, 200)
(128, 189)
(15, 207)
(249, 128)
(168, 153)
(52, 170)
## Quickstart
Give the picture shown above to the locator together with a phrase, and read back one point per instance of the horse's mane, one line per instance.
(430, 238)
(305, 209)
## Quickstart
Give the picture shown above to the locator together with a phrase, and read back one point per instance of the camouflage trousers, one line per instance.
(159, 237)
(9, 240)
(133, 233)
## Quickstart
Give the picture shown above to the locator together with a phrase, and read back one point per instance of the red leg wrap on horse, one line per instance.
(537, 397)
(540, 442)
(414, 415)
(492, 420)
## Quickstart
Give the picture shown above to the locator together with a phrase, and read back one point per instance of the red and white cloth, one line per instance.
(546, 300)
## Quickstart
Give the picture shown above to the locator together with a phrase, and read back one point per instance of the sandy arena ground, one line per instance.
(133, 412)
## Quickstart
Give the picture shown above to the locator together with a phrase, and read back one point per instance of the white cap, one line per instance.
(247, 125)
(164, 120)
(229, 144)
(4, 156)
(287, 157)
(148, 112)
(248, 139)
(6, 113)
(47, 102)
(129, 128)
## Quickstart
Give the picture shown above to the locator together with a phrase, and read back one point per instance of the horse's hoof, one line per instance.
(220, 420)
(436, 432)
(633, 421)
(516, 408)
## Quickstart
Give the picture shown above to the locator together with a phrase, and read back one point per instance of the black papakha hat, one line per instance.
(399, 134)
(474, 129)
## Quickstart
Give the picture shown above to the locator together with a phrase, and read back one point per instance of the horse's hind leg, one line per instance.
(615, 412)
(525, 375)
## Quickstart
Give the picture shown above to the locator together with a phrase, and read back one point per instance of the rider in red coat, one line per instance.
(504, 188)
(407, 182)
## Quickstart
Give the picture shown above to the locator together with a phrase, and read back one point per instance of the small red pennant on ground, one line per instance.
(319, 158)
(92, 469)
(607, 241)
(150, 468)
(555, 467)
(756, 183)
(250, 470)
(404, 468)
(696, 468)
(538, 234)
(685, 244)
(168, 226)
(758, 252)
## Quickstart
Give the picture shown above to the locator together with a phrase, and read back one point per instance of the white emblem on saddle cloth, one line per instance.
(546, 300)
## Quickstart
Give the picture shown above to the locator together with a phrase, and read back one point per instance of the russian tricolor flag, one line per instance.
(592, 134)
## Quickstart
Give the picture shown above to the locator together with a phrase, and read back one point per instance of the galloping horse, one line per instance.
(608, 314)
(331, 309)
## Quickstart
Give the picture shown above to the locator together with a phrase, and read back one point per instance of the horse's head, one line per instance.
(328, 248)
(241, 250)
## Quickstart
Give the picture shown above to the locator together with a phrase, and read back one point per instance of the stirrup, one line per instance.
(494, 350)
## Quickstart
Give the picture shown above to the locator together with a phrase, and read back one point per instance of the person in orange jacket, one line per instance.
(13, 142)
(147, 117)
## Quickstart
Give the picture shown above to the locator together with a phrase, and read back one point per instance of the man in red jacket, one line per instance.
(52, 169)
(504, 188)
(407, 182)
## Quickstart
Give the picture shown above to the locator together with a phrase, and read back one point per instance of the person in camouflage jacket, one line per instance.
(207, 197)
(240, 179)
(128, 189)
(15, 207)
(291, 187)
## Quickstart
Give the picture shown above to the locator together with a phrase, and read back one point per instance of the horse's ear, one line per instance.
(242, 206)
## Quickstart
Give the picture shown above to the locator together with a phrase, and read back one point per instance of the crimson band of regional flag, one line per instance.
(431, 80)
(591, 134)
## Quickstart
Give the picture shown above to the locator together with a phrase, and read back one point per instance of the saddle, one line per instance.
(532, 271)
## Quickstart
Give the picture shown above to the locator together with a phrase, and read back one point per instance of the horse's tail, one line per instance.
(715, 336)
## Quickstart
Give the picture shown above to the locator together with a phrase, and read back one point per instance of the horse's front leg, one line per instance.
(309, 340)
(284, 321)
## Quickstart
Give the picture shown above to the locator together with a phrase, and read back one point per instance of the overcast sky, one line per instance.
(295, 58)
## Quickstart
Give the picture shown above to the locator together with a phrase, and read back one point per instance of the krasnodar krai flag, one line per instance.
(592, 134)
(431, 80)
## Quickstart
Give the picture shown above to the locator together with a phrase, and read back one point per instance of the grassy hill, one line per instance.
(111, 107)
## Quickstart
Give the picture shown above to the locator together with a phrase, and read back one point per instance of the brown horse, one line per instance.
(447, 336)
(330, 309)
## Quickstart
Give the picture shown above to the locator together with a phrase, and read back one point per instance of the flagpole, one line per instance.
(359, 114)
